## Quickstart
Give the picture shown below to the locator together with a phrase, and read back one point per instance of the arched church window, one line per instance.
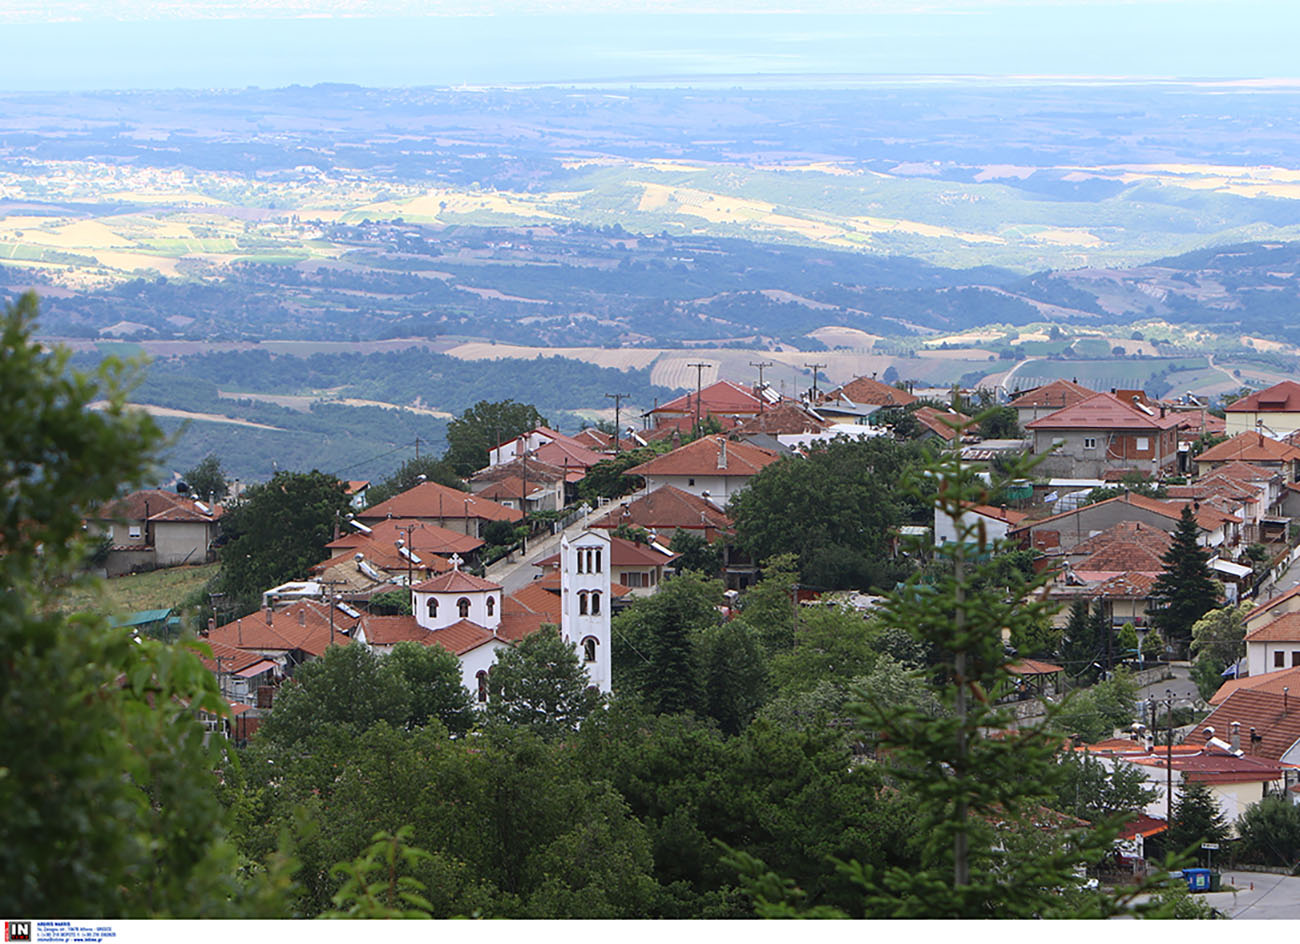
(462, 606)
(589, 649)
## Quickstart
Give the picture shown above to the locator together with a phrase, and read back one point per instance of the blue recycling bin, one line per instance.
(1198, 880)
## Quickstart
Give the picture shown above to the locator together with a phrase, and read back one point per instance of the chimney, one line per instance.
(1285, 689)
(268, 616)
(212, 624)
(1236, 737)
(239, 631)
(302, 616)
(722, 453)
(1162, 412)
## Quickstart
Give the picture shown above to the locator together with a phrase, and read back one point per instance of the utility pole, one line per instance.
(760, 365)
(815, 368)
(618, 402)
(1169, 760)
(417, 448)
(330, 585)
(699, 387)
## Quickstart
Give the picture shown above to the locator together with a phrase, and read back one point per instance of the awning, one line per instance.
(257, 668)
(1231, 569)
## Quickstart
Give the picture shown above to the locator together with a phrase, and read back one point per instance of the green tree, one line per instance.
(207, 480)
(482, 427)
(833, 645)
(1096, 712)
(1126, 643)
(999, 423)
(1080, 651)
(695, 553)
(979, 798)
(1270, 832)
(1219, 634)
(1153, 646)
(655, 644)
(276, 532)
(1091, 791)
(1184, 591)
(770, 608)
(734, 672)
(835, 510)
(540, 684)
(1103, 634)
(410, 474)
(609, 479)
(1197, 820)
(109, 803)
(348, 688)
(433, 677)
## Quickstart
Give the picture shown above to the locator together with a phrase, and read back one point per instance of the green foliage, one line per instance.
(655, 639)
(207, 480)
(105, 781)
(1207, 673)
(372, 887)
(391, 603)
(1002, 422)
(1094, 713)
(540, 684)
(483, 426)
(276, 532)
(1153, 646)
(433, 678)
(1197, 820)
(410, 474)
(1090, 791)
(979, 798)
(696, 553)
(734, 674)
(1081, 650)
(836, 510)
(1126, 643)
(1184, 592)
(832, 645)
(1270, 833)
(769, 607)
(608, 478)
(1219, 634)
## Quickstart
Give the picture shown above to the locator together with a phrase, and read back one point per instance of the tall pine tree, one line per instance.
(1079, 649)
(1184, 592)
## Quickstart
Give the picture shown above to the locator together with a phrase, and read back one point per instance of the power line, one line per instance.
(618, 399)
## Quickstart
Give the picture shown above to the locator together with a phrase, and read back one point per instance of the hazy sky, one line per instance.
(87, 44)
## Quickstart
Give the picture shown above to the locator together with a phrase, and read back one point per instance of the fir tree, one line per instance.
(1103, 636)
(1184, 592)
(1080, 647)
(1197, 819)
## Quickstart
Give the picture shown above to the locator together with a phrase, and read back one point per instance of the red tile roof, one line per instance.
(1271, 682)
(1282, 397)
(457, 581)
(1120, 557)
(1128, 532)
(430, 500)
(1033, 667)
(1103, 411)
(1277, 726)
(1206, 518)
(425, 537)
(161, 505)
(536, 470)
(1052, 396)
(1250, 447)
(666, 509)
(1286, 628)
(227, 660)
(622, 553)
(1130, 586)
(944, 423)
(1245, 472)
(567, 455)
(385, 556)
(721, 397)
(870, 392)
(704, 457)
(783, 419)
(302, 625)
(1009, 515)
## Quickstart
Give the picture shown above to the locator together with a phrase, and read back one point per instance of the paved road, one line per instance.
(516, 571)
(1273, 896)
(1181, 685)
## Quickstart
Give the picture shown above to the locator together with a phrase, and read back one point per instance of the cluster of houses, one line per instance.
(425, 543)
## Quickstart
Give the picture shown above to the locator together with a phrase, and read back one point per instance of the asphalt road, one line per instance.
(1273, 896)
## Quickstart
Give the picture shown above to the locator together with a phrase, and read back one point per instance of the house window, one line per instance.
(1143, 444)
(433, 606)
(481, 678)
(1089, 442)
(1279, 660)
(654, 578)
(491, 605)
(133, 530)
(1295, 658)
(690, 481)
(589, 649)
(462, 606)
(582, 602)
(633, 579)
(595, 603)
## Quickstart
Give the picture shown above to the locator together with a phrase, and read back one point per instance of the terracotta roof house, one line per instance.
(1267, 611)
(1276, 409)
(1116, 559)
(1255, 448)
(1103, 433)
(1059, 534)
(788, 418)
(665, 510)
(719, 399)
(1271, 682)
(1268, 723)
(1155, 539)
(1274, 645)
(372, 567)
(445, 507)
(423, 537)
(858, 399)
(710, 467)
(287, 635)
(943, 424)
(1047, 399)
(156, 528)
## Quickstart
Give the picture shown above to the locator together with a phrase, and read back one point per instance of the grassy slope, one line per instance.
(155, 590)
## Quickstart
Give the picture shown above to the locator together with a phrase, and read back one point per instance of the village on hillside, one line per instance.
(1123, 488)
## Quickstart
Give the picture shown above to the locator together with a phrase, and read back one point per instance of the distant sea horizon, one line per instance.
(1139, 43)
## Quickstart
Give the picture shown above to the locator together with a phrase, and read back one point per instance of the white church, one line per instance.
(471, 618)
